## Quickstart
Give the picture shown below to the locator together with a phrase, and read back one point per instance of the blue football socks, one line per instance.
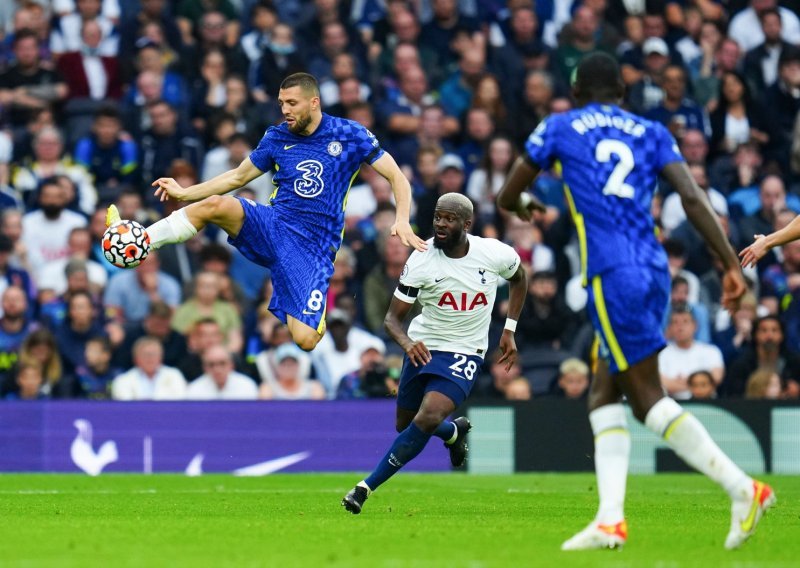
(408, 444)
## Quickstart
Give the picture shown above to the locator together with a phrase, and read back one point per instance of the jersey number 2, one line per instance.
(615, 185)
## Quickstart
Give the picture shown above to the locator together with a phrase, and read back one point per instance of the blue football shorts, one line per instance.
(627, 306)
(301, 267)
(452, 374)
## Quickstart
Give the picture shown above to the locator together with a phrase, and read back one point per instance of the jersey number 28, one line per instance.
(615, 185)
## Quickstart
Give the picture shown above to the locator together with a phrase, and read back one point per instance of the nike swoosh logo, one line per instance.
(287, 146)
(307, 313)
(750, 520)
(271, 466)
(440, 279)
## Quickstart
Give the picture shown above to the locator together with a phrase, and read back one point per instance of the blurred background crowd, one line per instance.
(100, 97)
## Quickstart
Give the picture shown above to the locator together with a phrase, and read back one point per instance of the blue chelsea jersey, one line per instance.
(312, 174)
(610, 160)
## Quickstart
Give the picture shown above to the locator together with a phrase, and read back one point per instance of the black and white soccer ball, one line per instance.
(126, 244)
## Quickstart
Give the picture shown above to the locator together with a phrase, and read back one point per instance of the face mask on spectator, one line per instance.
(282, 49)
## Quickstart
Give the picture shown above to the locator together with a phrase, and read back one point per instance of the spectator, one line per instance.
(226, 157)
(678, 112)
(166, 142)
(91, 75)
(130, 292)
(782, 103)
(376, 378)
(485, 182)
(204, 334)
(28, 85)
(720, 56)
(339, 351)
(149, 379)
(527, 241)
(156, 324)
(206, 303)
(684, 355)
(772, 200)
(45, 232)
(50, 161)
(78, 327)
(673, 214)
(208, 90)
(694, 147)
(521, 53)
(290, 379)
(263, 21)
(66, 34)
(738, 335)
(11, 275)
(583, 41)
(737, 119)
(40, 348)
(151, 12)
(702, 386)
(30, 383)
(216, 27)
(15, 326)
(381, 281)
(447, 23)
(573, 379)
(109, 155)
(746, 30)
(768, 350)
(496, 382)
(53, 276)
(546, 321)
(519, 389)
(648, 92)
(93, 379)
(763, 383)
(478, 130)
(280, 59)
(220, 381)
(761, 63)
(458, 90)
(538, 92)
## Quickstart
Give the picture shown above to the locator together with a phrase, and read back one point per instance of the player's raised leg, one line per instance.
(690, 440)
(453, 433)
(408, 444)
(612, 446)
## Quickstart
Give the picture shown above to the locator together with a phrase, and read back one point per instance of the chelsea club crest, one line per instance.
(335, 148)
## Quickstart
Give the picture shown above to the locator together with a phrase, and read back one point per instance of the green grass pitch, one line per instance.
(414, 520)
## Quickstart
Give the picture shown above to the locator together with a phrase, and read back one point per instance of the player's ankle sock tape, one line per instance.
(687, 436)
(408, 444)
(176, 228)
(612, 448)
(447, 431)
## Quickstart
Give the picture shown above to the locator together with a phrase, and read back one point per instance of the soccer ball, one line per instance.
(126, 244)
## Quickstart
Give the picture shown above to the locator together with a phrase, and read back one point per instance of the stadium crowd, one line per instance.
(100, 97)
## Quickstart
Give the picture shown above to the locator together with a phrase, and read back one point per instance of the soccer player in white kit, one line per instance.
(455, 282)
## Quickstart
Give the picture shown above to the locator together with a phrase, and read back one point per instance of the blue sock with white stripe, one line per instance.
(447, 431)
(408, 444)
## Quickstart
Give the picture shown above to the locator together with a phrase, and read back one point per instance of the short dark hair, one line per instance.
(108, 111)
(678, 280)
(215, 251)
(598, 77)
(22, 34)
(674, 248)
(681, 308)
(306, 82)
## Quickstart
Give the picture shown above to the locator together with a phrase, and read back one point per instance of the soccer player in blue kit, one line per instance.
(315, 157)
(455, 282)
(610, 160)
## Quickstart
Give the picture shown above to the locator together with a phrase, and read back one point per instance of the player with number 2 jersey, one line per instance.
(609, 160)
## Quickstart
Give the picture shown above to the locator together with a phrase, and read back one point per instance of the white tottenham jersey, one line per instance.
(456, 294)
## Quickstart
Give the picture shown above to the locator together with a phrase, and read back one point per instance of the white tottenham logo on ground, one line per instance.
(83, 454)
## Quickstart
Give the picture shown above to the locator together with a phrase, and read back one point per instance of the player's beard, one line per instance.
(448, 243)
(300, 124)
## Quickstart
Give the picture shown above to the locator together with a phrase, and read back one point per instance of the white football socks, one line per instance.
(690, 440)
(612, 448)
(175, 228)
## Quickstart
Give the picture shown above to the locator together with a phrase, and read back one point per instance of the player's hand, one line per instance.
(733, 288)
(418, 354)
(508, 348)
(168, 187)
(526, 205)
(403, 230)
(755, 252)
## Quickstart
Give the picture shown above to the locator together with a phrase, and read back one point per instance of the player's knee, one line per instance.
(428, 421)
(401, 424)
(215, 205)
(307, 341)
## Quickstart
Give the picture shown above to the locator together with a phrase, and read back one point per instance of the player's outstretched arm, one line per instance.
(755, 252)
(698, 211)
(513, 195)
(518, 289)
(218, 185)
(417, 353)
(388, 168)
